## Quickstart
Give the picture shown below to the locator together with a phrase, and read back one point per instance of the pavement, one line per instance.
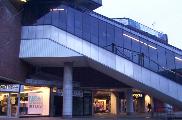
(97, 117)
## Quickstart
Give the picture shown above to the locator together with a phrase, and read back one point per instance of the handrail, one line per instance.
(139, 53)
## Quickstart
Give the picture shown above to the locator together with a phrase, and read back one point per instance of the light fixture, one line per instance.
(177, 58)
(57, 9)
(139, 41)
(23, 0)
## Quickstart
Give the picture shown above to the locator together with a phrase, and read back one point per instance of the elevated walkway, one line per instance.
(47, 41)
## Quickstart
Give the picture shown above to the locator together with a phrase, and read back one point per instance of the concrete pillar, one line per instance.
(113, 103)
(67, 90)
(129, 101)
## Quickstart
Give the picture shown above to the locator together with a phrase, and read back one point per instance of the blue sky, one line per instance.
(165, 14)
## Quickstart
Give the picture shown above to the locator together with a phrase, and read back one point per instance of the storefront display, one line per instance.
(3, 104)
(34, 101)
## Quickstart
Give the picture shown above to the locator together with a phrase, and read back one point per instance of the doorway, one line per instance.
(8, 104)
(58, 105)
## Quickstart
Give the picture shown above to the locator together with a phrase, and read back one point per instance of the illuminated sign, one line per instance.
(75, 93)
(10, 88)
(57, 9)
(35, 103)
(137, 95)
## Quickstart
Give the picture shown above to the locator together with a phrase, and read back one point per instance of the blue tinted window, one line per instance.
(178, 62)
(127, 46)
(47, 18)
(161, 58)
(153, 56)
(118, 36)
(86, 27)
(145, 51)
(94, 30)
(70, 20)
(55, 18)
(110, 35)
(102, 34)
(62, 18)
(136, 51)
(78, 23)
(40, 21)
(170, 59)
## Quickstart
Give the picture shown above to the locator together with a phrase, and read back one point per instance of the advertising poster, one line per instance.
(35, 103)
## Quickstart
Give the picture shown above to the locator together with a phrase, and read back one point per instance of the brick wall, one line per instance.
(10, 34)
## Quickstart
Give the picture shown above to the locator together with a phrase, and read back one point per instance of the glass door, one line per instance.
(13, 104)
(4, 104)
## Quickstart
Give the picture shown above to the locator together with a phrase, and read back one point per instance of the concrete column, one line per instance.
(129, 101)
(113, 103)
(67, 90)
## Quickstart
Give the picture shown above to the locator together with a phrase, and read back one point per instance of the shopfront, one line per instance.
(34, 101)
(19, 100)
(9, 100)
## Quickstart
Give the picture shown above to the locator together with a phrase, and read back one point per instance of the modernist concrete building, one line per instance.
(60, 58)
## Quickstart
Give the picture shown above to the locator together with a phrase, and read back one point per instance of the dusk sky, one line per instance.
(165, 15)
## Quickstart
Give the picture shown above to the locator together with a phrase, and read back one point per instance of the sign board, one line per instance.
(11, 88)
(35, 103)
(75, 93)
(137, 95)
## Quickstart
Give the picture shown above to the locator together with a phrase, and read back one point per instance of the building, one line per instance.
(59, 58)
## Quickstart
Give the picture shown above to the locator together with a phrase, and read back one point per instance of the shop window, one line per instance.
(34, 101)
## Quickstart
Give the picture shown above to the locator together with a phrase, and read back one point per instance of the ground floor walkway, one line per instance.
(139, 116)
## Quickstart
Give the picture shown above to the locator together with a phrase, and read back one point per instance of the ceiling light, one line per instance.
(23, 0)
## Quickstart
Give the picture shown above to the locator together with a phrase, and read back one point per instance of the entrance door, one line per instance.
(4, 104)
(58, 105)
(13, 104)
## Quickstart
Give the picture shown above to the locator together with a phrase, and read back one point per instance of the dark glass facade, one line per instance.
(117, 40)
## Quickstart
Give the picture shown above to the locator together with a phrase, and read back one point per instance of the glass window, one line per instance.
(94, 30)
(127, 45)
(62, 18)
(47, 18)
(110, 36)
(34, 100)
(55, 18)
(161, 58)
(170, 59)
(86, 27)
(153, 56)
(70, 20)
(137, 56)
(40, 21)
(145, 52)
(78, 23)
(119, 40)
(178, 61)
(102, 34)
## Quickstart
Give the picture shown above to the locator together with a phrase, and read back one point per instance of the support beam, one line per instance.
(67, 90)
(129, 101)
